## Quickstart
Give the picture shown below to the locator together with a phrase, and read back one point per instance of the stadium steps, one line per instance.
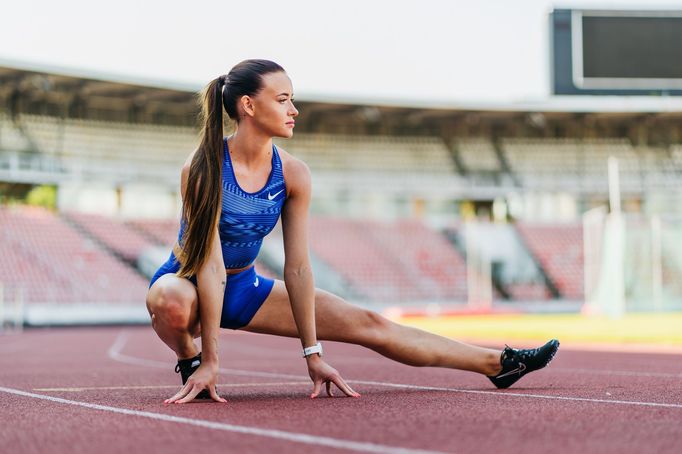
(456, 158)
(553, 247)
(504, 163)
(122, 256)
(549, 284)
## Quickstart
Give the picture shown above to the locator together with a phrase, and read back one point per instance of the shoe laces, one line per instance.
(518, 354)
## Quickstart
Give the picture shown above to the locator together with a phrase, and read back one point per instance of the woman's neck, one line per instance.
(249, 146)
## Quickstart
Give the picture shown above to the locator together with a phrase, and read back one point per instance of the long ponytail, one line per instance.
(203, 194)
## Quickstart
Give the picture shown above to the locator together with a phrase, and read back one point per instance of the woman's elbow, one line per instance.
(297, 271)
(213, 269)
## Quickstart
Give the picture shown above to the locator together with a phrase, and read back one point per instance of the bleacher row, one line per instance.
(572, 164)
(84, 258)
(89, 147)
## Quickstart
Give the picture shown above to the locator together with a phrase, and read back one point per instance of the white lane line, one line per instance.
(510, 394)
(270, 433)
(623, 373)
(220, 385)
(114, 353)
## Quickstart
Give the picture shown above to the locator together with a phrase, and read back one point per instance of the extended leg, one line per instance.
(338, 320)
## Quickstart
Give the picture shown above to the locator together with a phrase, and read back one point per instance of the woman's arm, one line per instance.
(298, 276)
(211, 281)
(211, 289)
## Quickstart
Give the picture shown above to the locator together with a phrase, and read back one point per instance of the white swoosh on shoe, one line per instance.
(518, 370)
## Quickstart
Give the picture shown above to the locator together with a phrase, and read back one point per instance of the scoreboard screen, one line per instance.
(617, 52)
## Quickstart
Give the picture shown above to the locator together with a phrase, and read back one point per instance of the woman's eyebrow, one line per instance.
(285, 93)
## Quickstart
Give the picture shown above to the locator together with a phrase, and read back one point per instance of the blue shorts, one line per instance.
(245, 293)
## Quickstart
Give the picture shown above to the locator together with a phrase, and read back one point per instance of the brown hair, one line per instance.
(203, 194)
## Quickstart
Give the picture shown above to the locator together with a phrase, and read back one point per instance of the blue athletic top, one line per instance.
(246, 217)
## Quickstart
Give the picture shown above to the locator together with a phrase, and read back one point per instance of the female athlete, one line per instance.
(234, 190)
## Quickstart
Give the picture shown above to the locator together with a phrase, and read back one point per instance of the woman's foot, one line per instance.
(517, 363)
(186, 368)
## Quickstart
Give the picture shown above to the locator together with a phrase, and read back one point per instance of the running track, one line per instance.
(102, 389)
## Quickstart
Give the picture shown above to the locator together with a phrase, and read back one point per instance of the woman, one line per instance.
(234, 190)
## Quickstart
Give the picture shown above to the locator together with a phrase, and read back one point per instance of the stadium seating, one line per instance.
(390, 262)
(53, 263)
(114, 235)
(336, 152)
(161, 231)
(477, 155)
(558, 248)
(571, 164)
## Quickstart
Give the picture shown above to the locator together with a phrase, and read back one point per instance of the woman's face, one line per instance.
(273, 106)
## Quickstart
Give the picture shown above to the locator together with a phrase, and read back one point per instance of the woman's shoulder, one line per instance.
(295, 170)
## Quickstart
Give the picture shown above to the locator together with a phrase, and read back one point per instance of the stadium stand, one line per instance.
(402, 165)
(477, 154)
(53, 263)
(558, 249)
(362, 153)
(116, 236)
(571, 164)
(657, 167)
(161, 231)
(390, 262)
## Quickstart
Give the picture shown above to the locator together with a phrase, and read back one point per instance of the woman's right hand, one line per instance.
(204, 377)
(322, 373)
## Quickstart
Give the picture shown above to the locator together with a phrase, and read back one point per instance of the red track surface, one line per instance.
(583, 402)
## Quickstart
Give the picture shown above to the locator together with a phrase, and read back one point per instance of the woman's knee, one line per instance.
(172, 306)
(375, 328)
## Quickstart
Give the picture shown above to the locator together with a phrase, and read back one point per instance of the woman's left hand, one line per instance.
(321, 372)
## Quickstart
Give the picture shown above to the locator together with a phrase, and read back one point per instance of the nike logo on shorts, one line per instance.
(271, 197)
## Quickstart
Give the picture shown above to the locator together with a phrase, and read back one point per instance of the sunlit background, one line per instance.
(467, 157)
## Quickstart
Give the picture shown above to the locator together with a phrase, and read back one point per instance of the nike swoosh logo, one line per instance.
(255, 284)
(518, 370)
(270, 197)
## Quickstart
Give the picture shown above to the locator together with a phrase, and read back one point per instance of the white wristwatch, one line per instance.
(317, 348)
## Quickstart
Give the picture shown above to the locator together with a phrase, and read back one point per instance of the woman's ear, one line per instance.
(248, 105)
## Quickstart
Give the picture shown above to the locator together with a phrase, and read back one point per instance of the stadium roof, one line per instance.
(22, 73)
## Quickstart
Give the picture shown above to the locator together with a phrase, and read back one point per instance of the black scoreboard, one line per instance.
(597, 52)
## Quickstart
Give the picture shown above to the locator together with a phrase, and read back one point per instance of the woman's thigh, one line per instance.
(335, 319)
